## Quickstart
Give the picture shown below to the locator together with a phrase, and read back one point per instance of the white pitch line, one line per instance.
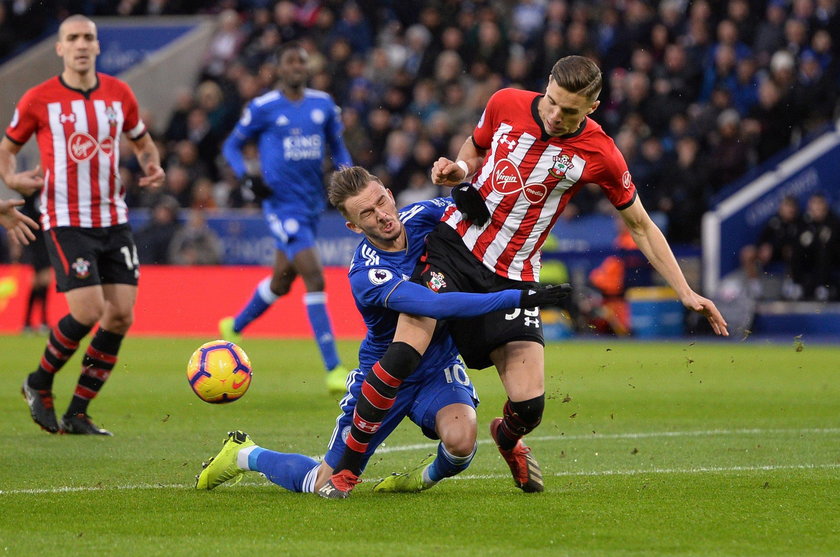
(643, 435)
(594, 436)
(469, 477)
(642, 471)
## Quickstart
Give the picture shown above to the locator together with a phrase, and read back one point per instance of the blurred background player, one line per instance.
(439, 398)
(292, 126)
(78, 118)
(37, 256)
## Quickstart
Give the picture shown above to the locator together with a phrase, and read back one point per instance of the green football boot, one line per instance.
(410, 482)
(337, 381)
(226, 331)
(222, 467)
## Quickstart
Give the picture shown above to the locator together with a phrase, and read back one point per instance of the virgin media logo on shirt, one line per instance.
(81, 146)
(507, 180)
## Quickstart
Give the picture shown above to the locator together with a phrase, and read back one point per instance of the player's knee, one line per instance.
(118, 322)
(400, 360)
(88, 314)
(526, 414)
(459, 441)
(280, 285)
(314, 282)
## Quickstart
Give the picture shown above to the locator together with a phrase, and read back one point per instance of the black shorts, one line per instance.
(91, 256)
(448, 266)
(36, 252)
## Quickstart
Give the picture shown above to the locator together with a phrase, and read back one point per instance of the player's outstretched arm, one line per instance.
(414, 299)
(653, 244)
(18, 225)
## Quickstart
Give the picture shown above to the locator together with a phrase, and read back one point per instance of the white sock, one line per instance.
(242, 457)
(427, 481)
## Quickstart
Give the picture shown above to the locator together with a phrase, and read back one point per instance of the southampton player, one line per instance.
(529, 154)
(292, 126)
(77, 119)
(439, 398)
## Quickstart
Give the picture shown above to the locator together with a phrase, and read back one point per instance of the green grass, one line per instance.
(648, 449)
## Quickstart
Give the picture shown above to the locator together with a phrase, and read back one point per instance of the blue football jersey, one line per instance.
(374, 274)
(291, 137)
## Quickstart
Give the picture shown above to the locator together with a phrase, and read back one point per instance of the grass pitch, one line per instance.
(720, 448)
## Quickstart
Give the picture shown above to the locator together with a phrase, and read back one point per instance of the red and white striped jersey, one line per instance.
(78, 135)
(528, 177)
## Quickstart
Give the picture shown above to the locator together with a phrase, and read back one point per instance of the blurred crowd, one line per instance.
(696, 93)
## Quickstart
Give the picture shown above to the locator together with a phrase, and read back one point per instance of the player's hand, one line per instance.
(18, 225)
(707, 308)
(446, 173)
(544, 295)
(257, 186)
(154, 177)
(27, 182)
(471, 204)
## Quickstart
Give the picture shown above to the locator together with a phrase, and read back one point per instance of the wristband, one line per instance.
(463, 165)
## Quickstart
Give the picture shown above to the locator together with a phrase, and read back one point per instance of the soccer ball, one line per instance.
(219, 371)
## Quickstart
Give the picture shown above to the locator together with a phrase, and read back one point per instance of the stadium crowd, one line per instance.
(696, 92)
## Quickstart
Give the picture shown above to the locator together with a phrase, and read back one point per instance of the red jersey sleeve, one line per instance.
(24, 120)
(614, 177)
(133, 126)
(483, 132)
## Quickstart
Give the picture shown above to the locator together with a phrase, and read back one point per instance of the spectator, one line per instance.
(816, 261)
(195, 243)
(730, 156)
(225, 44)
(154, 238)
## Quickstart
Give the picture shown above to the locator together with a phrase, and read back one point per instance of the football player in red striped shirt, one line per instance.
(528, 155)
(77, 119)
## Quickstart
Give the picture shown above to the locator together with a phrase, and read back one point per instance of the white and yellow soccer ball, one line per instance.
(219, 372)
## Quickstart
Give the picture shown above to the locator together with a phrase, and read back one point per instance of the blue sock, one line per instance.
(447, 465)
(294, 472)
(260, 301)
(316, 308)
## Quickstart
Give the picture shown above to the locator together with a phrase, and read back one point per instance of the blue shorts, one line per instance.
(420, 401)
(292, 231)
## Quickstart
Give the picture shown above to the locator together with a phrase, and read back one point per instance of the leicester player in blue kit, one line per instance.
(439, 398)
(292, 127)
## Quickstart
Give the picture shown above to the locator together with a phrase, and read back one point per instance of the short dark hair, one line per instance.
(578, 74)
(286, 47)
(346, 183)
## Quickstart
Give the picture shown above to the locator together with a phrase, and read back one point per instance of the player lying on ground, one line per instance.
(439, 397)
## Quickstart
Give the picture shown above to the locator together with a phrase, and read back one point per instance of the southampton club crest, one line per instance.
(562, 164)
(437, 282)
(81, 267)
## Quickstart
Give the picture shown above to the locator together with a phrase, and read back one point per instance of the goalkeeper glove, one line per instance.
(471, 204)
(544, 295)
(257, 187)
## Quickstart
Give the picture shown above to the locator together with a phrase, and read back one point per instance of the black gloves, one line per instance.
(259, 188)
(544, 295)
(470, 203)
